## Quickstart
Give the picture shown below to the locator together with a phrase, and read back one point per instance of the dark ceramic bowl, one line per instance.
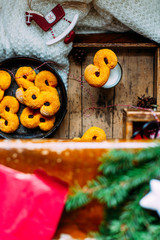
(12, 64)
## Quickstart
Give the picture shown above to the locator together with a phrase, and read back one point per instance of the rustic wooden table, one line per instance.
(140, 61)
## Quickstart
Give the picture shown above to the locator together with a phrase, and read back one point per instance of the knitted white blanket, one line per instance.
(16, 38)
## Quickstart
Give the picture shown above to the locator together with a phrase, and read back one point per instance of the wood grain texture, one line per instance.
(96, 97)
(141, 68)
(71, 125)
(62, 132)
(140, 116)
(137, 65)
(129, 130)
(136, 116)
(74, 98)
(128, 39)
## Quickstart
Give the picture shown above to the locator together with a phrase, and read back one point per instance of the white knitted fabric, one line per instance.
(95, 23)
(16, 38)
(142, 16)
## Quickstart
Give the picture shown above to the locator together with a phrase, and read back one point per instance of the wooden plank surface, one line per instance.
(141, 67)
(128, 39)
(96, 97)
(132, 116)
(140, 116)
(137, 65)
(71, 125)
(74, 97)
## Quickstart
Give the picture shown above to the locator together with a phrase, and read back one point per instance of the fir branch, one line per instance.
(154, 230)
(124, 180)
(133, 218)
(115, 190)
(117, 161)
(148, 154)
(118, 191)
(82, 196)
(78, 200)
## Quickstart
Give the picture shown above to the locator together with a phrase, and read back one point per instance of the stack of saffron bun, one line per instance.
(38, 94)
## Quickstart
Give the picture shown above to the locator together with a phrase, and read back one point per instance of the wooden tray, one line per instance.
(140, 60)
(133, 118)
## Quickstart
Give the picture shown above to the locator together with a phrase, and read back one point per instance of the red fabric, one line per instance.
(138, 136)
(30, 204)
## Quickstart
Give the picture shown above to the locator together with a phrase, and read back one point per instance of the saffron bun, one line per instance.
(46, 81)
(9, 121)
(5, 82)
(33, 118)
(97, 74)
(20, 95)
(94, 134)
(47, 102)
(24, 77)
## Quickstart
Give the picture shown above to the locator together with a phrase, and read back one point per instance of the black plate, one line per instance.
(12, 64)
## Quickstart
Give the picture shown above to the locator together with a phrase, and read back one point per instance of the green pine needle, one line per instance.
(116, 162)
(124, 180)
(76, 201)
